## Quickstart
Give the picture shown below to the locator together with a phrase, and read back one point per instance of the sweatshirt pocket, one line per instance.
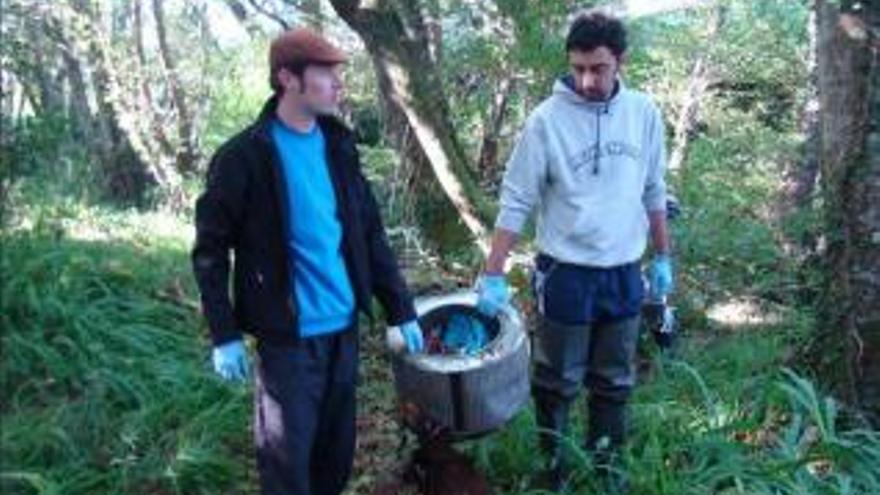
(565, 214)
(610, 226)
(589, 223)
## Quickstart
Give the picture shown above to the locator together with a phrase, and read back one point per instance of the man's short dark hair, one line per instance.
(593, 29)
(296, 68)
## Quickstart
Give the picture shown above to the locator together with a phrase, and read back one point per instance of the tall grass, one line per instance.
(725, 419)
(106, 387)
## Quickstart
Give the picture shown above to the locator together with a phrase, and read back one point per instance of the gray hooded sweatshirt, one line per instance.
(592, 170)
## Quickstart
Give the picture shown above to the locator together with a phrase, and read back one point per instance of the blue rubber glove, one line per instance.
(492, 294)
(660, 277)
(412, 336)
(230, 361)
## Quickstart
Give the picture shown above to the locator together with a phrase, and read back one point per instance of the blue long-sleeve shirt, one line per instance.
(320, 280)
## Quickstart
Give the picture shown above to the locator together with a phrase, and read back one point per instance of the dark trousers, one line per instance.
(586, 337)
(600, 358)
(304, 425)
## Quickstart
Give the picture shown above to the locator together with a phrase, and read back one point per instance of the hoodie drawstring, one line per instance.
(599, 112)
(598, 141)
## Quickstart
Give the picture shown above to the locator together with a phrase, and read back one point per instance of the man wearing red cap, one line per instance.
(287, 197)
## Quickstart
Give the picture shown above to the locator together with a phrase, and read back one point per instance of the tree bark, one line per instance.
(271, 14)
(86, 127)
(801, 175)
(51, 98)
(187, 148)
(400, 45)
(130, 163)
(145, 99)
(698, 82)
(240, 12)
(103, 104)
(128, 157)
(488, 160)
(848, 342)
(314, 14)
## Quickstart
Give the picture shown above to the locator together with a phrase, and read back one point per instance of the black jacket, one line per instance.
(244, 210)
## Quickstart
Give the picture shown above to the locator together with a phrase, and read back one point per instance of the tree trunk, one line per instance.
(129, 164)
(488, 160)
(51, 99)
(240, 12)
(87, 128)
(400, 44)
(848, 342)
(145, 99)
(187, 149)
(698, 82)
(128, 157)
(272, 14)
(313, 14)
(801, 175)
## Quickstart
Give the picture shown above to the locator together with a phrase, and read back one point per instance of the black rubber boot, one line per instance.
(551, 415)
(606, 423)
(605, 436)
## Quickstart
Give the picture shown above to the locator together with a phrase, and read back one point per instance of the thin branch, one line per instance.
(259, 7)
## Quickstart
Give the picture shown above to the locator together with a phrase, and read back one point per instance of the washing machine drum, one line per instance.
(469, 393)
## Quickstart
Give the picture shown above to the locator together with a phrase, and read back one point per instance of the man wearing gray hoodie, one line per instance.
(590, 160)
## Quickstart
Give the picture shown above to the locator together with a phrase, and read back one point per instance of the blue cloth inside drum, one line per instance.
(464, 334)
